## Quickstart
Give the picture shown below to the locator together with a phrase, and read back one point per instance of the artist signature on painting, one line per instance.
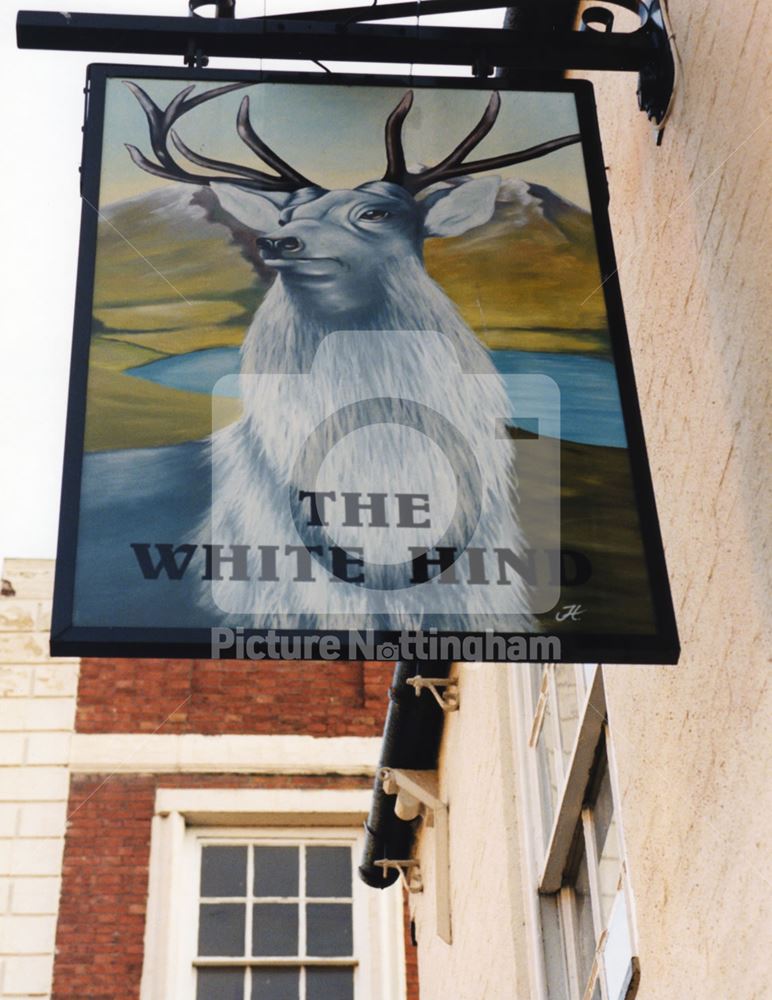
(569, 613)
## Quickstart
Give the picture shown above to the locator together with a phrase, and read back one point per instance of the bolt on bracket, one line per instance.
(418, 793)
(447, 700)
(409, 872)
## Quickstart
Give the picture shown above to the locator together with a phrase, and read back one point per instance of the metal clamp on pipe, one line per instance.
(409, 872)
(447, 700)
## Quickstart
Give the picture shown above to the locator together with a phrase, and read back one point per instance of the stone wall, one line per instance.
(37, 711)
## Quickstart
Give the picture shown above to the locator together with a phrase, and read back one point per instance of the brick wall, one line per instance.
(411, 956)
(209, 697)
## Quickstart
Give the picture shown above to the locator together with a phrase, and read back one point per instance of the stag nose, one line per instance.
(275, 248)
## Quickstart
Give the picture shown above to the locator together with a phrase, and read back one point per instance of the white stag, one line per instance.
(352, 260)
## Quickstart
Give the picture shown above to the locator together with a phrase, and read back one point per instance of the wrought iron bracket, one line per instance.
(339, 34)
(447, 698)
(225, 8)
(656, 80)
(194, 56)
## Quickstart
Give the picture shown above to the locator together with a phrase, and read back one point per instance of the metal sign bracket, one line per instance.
(349, 34)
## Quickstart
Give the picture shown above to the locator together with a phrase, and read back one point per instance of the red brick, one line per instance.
(204, 696)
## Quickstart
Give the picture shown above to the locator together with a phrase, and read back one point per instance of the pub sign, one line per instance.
(351, 378)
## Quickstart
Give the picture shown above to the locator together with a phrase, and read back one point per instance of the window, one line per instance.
(275, 919)
(580, 905)
(253, 895)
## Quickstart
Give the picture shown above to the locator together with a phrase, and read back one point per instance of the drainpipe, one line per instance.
(411, 741)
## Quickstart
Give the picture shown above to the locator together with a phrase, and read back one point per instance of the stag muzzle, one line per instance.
(283, 247)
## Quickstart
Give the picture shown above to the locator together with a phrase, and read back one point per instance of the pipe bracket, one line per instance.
(448, 699)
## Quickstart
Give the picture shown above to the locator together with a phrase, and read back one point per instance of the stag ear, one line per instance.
(258, 210)
(452, 211)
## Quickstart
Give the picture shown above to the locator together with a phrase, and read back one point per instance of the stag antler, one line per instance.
(453, 165)
(160, 124)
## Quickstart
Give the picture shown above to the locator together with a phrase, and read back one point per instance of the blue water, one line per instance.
(194, 372)
(589, 410)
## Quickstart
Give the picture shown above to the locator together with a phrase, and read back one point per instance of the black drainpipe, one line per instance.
(411, 740)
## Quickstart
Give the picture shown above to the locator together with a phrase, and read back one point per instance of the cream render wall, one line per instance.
(37, 715)
(692, 743)
(488, 958)
(691, 227)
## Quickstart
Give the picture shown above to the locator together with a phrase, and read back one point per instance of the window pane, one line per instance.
(275, 984)
(585, 930)
(329, 984)
(328, 871)
(568, 707)
(606, 840)
(617, 951)
(588, 673)
(220, 984)
(603, 808)
(328, 927)
(277, 871)
(221, 929)
(275, 929)
(224, 871)
(545, 755)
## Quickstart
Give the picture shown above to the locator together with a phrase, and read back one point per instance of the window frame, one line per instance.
(199, 837)
(186, 819)
(547, 846)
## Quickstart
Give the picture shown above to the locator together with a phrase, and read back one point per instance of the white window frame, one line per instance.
(184, 818)
(549, 903)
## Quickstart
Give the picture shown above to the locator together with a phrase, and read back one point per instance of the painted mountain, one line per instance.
(537, 263)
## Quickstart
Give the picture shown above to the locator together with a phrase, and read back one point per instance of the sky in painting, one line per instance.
(334, 135)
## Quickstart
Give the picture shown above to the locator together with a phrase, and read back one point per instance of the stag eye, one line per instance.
(374, 215)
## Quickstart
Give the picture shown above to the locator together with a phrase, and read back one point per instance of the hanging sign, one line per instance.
(351, 378)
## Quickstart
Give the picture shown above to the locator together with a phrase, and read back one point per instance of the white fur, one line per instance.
(297, 369)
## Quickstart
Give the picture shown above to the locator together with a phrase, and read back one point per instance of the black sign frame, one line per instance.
(67, 639)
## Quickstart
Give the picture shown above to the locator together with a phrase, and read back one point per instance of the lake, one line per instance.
(590, 411)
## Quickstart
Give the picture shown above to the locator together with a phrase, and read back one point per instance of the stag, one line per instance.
(352, 260)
